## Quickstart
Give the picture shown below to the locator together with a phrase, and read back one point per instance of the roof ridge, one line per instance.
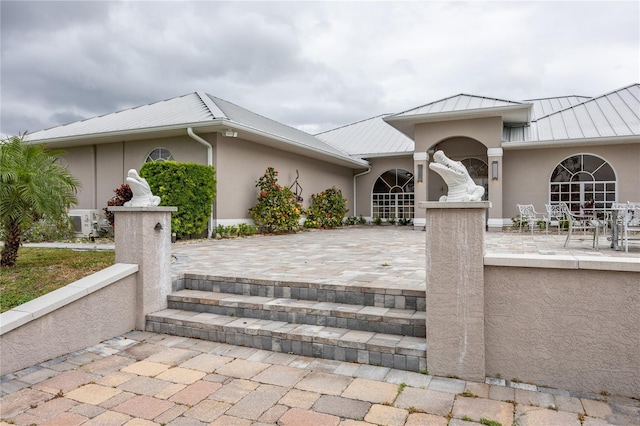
(462, 94)
(354, 123)
(592, 99)
(214, 109)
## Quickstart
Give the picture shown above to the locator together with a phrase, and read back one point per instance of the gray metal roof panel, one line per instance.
(461, 102)
(175, 111)
(614, 114)
(546, 106)
(263, 124)
(370, 136)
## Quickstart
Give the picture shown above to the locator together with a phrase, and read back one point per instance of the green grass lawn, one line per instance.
(41, 270)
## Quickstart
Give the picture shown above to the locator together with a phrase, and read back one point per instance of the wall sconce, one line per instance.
(494, 170)
(420, 173)
(230, 133)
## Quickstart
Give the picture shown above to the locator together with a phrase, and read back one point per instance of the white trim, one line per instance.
(495, 152)
(498, 223)
(229, 222)
(420, 156)
(566, 143)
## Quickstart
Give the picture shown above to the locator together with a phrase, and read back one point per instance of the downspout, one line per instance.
(355, 189)
(209, 163)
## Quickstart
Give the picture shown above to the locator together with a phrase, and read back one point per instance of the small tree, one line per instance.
(32, 185)
(277, 209)
(327, 209)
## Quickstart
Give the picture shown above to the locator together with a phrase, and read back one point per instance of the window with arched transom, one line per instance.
(583, 178)
(393, 195)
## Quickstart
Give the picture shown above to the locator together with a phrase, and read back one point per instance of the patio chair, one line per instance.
(583, 223)
(630, 222)
(554, 212)
(529, 214)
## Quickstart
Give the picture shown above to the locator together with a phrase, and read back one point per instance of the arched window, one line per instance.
(393, 195)
(159, 154)
(582, 178)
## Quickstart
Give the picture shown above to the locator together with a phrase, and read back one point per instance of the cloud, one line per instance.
(312, 65)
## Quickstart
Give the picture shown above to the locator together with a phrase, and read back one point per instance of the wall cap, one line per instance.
(143, 209)
(56, 299)
(454, 205)
(562, 262)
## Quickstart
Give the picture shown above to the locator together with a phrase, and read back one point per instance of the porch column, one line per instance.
(455, 288)
(143, 235)
(494, 156)
(420, 160)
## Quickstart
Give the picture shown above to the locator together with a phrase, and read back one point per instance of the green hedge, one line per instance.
(188, 186)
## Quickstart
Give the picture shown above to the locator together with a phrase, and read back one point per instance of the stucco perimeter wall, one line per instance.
(527, 173)
(79, 315)
(240, 163)
(564, 327)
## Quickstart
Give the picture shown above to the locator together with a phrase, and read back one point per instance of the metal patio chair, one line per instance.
(554, 212)
(529, 214)
(583, 222)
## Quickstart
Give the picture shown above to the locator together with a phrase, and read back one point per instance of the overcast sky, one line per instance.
(311, 65)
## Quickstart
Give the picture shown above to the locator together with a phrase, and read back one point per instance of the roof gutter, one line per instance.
(563, 143)
(210, 164)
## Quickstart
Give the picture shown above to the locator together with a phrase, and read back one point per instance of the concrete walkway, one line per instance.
(145, 378)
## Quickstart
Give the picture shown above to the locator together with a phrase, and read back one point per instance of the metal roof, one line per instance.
(546, 106)
(196, 110)
(614, 114)
(369, 138)
(460, 103)
(181, 110)
(244, 117)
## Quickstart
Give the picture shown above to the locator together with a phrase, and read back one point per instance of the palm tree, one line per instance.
(32, 186)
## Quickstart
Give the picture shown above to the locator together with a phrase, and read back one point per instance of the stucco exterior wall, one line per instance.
(103, 168)
(573, 329)
(487, 131)
(527, 173)
(240, 164)
(365, 183)
(87, 321)
(80, 162)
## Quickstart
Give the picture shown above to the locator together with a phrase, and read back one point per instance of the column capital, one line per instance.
(420, 156)
(494, 152)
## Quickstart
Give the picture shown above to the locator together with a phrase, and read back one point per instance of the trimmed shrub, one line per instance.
(327, 209)
(188, 186)
(276, 209)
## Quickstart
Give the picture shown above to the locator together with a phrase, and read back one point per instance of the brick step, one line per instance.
(404, 322)
(382, 297)
(340, 344)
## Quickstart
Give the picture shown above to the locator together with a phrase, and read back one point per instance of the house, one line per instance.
(538, 151)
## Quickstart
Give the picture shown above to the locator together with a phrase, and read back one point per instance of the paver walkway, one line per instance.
(144, 378)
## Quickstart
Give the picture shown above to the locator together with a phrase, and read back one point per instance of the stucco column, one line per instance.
(143, 236)
(420, 192)
(494, 156)
(455, 288)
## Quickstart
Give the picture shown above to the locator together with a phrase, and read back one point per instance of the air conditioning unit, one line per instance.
(85, 222)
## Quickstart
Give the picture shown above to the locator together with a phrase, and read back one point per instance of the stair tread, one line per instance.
(313, 307)
(310, 333)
